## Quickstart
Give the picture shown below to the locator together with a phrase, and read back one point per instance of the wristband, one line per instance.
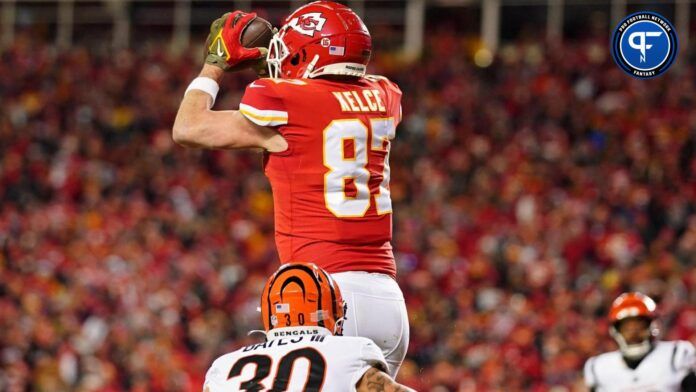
(205, 84)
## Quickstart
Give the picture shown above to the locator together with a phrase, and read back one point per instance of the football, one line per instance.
(256, 34)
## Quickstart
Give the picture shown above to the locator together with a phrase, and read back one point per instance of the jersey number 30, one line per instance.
(352, 167)
(315, 378)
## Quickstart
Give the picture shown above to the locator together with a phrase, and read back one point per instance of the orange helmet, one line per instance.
(301, 295)
(632, 305)
(629, 305)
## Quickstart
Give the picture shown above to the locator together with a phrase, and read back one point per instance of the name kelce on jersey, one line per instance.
(284, 342)
(360, 101)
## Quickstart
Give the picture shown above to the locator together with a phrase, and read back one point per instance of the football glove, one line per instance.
(224, 47)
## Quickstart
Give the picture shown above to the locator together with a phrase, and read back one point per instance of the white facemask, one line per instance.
(277, 52)
(633, 351)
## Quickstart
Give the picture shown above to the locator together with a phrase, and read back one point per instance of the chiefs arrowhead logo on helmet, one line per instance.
(308, 24)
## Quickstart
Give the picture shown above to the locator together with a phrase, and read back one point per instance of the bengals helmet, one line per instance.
(302, 295)
(633, 305)
(320, 38)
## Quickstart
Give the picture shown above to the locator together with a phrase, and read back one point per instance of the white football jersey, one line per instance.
(662, 370)
(296, 360)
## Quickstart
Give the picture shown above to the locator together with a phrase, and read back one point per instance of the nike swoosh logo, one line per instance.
(220, 52)
(254, 85)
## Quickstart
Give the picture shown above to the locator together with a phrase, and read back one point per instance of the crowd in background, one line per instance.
(527, 195)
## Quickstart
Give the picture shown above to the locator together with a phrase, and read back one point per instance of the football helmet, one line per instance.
(302, 295)
(630, 305)
(320, 38)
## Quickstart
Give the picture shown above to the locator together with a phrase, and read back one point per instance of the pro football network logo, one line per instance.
(644, 44)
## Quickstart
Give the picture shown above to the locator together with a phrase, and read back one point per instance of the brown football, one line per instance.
(257, 34)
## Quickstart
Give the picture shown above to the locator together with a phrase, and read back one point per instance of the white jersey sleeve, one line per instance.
(370, 356)
(684, 358)
(589, 373)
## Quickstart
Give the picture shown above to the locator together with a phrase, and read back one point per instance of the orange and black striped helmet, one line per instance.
(302, 294)
(633, 304)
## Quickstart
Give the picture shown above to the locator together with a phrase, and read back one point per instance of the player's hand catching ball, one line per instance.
(237, 40)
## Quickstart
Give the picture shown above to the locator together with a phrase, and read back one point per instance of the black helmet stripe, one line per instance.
(293, 279)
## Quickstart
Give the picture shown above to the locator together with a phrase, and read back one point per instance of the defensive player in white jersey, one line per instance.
(642, 363)
(303, 311)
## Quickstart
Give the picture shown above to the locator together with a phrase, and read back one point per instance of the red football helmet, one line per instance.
(320, 38)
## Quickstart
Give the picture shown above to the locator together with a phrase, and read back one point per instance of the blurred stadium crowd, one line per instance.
(527, 196)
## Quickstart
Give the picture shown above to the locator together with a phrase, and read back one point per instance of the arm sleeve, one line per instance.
(370, 356)
(262, 104)
(590, 374)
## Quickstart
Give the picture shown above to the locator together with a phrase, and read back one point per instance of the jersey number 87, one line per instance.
(353, 168)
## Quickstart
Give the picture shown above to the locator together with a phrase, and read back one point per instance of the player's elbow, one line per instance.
(185, 134)
(179, 136)
(188, 128)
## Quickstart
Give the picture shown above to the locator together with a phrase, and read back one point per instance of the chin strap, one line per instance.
(310, 67)
(338, 327)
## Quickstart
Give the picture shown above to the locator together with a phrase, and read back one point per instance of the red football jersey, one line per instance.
(331, 186)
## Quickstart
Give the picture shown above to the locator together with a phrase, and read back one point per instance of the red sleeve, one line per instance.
(262, 105)
(393, 94)
(395, 100)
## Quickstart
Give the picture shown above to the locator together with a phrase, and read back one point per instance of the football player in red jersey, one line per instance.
(326, 129)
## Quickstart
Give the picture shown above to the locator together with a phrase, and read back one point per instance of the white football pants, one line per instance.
(376, 310)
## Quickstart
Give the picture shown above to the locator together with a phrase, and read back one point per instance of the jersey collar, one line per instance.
(296, 331)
